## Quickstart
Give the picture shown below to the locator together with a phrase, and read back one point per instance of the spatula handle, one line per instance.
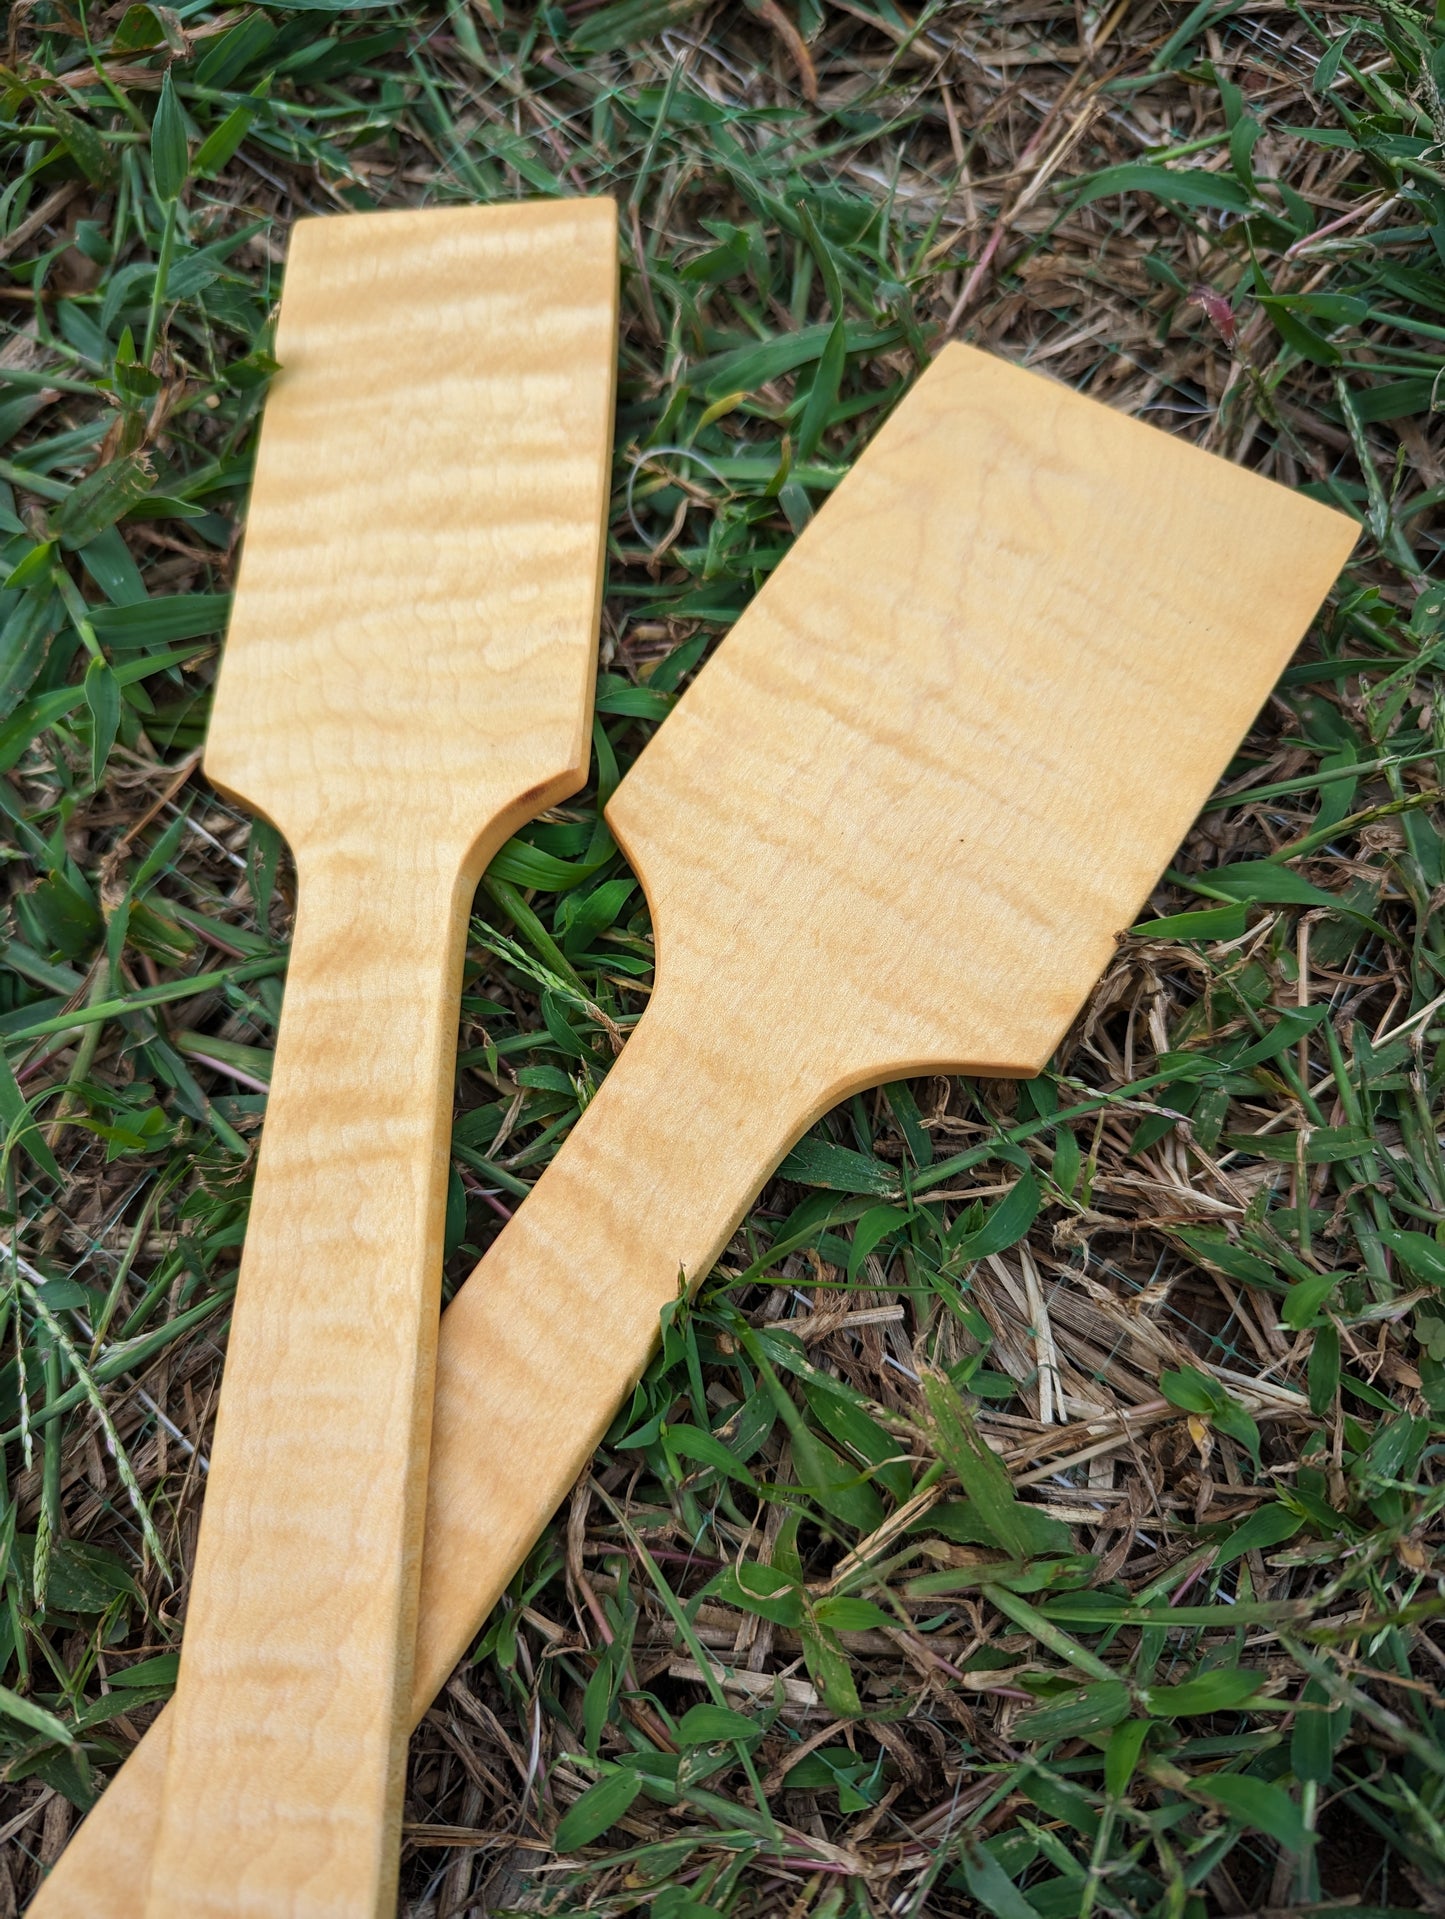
(536, 1352)
(303, 1602)
(539, 1353)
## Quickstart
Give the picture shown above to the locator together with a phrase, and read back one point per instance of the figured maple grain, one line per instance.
(893, 827)
(407, 677)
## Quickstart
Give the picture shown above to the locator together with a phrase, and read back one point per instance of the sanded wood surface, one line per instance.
(931, 773)
(407, 678)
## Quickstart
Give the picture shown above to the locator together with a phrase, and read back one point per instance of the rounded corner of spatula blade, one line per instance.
(951, 744)
(419, 594)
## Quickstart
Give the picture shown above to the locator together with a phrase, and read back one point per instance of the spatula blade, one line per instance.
(421, 543)
(946, 752)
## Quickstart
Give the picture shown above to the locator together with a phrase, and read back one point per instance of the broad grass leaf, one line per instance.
(598, 1697)
(722, 262)
(691, 1442)
(628, 22)
(1320, 1146)
(1060, 1798)
(35, 1717)
(904, 1108)
(746, 368)
(23, 641)
(673, 1903)
(1121, 1755)
(874, 1226)
(1327, 70)
(845, 1614)
(1213, 1246)
(223, 142)
(1068, 1161)
(980, 1472)
(834, 1484)
(100, 499)
(963, 1521)
(35, 567)
(594, 914)
(1242, 138)
(1086, 1710)
(1420, 1255)
(529, 867)
(139, 29)
(1303, 1301)
(1190, 187)
(455, 1228)
(1318, 1729)
(1267, 1526)
(1256, 1803)
(992, 1887)
(818, 1162)
(1215, 1691)
(21, 1125)
(60, 1295)
(82, 1578)
(107, 559)
(60, 915)
(853, 1428)
(1299, 335)
(1043, 1629)
(102, 696)
(1232, 1419)
(1395, 400)
(1003, 1225)
(229, 56)
(1191, 1391)
(96, 1712)
(85, 146)
(708, 1725)
(823, 398)
(1323, 1377)
(1267, 883)
(839, 1768)
(620, 697)
(1214, 923)
(1195, 1392)
(160, 1670)
(829, 1667)
(763, 1590)
(666, 676)
(599, 1808)
(748, 1425)
(170, 155)
(1394, 1451)
(1294, 1024)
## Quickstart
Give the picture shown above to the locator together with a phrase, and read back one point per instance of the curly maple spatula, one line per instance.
(892, 828)
(407, 679)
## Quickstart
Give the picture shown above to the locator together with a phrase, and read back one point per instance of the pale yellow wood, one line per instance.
(407, 678)
(893, 827)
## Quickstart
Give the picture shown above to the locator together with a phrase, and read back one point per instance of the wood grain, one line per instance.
(893, 827)
(407, 678)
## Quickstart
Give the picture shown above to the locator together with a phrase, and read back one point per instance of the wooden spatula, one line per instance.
(406, 680)
(894, 827)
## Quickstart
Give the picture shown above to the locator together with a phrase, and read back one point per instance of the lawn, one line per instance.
(1038, 1511)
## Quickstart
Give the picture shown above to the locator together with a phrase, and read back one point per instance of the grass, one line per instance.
(842, 1622)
